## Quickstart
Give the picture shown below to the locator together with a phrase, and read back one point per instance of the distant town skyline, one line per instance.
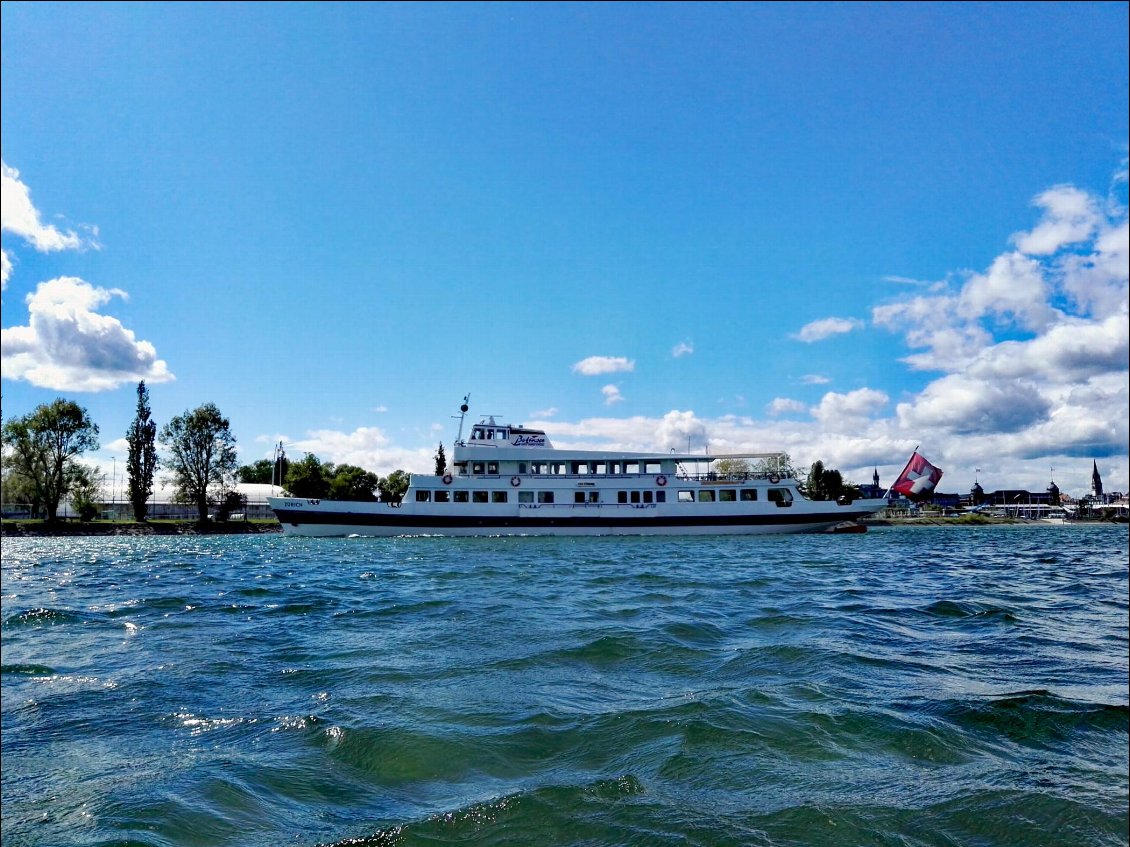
(841, 231)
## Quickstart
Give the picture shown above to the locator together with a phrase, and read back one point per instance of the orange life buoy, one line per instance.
(515, 481)
(447, 479)
(661, 480)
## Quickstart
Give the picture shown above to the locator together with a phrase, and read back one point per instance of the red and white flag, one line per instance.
(918, 478)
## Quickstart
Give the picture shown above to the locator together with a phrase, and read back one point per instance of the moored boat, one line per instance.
(511, 480)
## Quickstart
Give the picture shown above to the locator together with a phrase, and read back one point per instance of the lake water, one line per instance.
(910, 686)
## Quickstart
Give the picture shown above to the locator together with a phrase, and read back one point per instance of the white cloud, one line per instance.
(965, 406)
(69, 346)
(815, 379)
(785, 406)
(826, 328)
(683, 348)
(545, 413)
(19, 216)
(1070, 217)
(844, 411)
(612, 395)
(1015, 287)
(596, 365)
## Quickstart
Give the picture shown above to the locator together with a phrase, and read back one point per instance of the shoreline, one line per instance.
(67, 529)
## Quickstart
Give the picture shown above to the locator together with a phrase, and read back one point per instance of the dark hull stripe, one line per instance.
(393, 519)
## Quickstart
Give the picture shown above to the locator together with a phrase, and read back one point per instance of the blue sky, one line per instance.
(840, 230)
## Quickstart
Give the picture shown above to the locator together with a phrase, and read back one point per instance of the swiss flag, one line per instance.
(918, 478)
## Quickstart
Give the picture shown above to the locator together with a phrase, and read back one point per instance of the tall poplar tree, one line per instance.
(143, 461)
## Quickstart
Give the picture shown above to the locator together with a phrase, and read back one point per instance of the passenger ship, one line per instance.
(510, 480)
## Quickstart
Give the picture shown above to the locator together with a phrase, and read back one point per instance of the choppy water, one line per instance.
(910, 686)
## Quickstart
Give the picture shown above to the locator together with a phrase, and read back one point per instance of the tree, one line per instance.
(781, 465)
(825, 483)
(86, 484)
(394, 485)
(259, 472)
(308, 478)
(141, 465)
(201, 456)
(731, 467)
(43, 446)
(350, 482)
(441, 461)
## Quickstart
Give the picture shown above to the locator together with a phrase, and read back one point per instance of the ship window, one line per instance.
(686, 496)
(614, 467)
(578, 497)
(600, 468)
(499, 496)
(749, 494)
(442, 496)
(558, 467)
(525, 496)
(521, 467)
(423, 496)
(545, 496)
(460, 496)
(660, 496)
(647, 496)
(621, 496)
(538, 467)
(477, 467)
(594, 496)
(492, 467)
(706, 496)
(781, 496)
(635, 497)
(631, 467)
(478, 496)
(580, 467)
(728, 495)
(652, 467)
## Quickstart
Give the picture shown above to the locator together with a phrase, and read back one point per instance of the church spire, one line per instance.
(1096, 482)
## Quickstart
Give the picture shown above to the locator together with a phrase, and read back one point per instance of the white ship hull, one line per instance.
(337, 518)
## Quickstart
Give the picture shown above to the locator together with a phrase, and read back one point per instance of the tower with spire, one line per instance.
(1096, 482)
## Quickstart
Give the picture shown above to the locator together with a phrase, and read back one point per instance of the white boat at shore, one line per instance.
(510, 480)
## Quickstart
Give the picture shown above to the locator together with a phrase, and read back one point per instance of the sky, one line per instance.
(843, 231)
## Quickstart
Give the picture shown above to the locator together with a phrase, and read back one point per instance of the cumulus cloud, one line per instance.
(596, 365)
(68, 346)
(826, 328)
(966, 406)
(785, 406)
(19, 216)
(1070, 216)
(678, 429)
(815, 379)
(837, 411)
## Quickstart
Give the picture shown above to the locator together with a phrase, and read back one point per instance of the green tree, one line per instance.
(42, 448)
(353, 483)
(16, 489)
(441, 461)
(86, 484)
(201, 458)
(259, 472)
(394, 485)
(731, 467)
(308, 478)
(780, 465)
(141, 465)
(825, 483)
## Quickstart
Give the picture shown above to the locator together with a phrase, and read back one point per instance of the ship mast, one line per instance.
(462, 414)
